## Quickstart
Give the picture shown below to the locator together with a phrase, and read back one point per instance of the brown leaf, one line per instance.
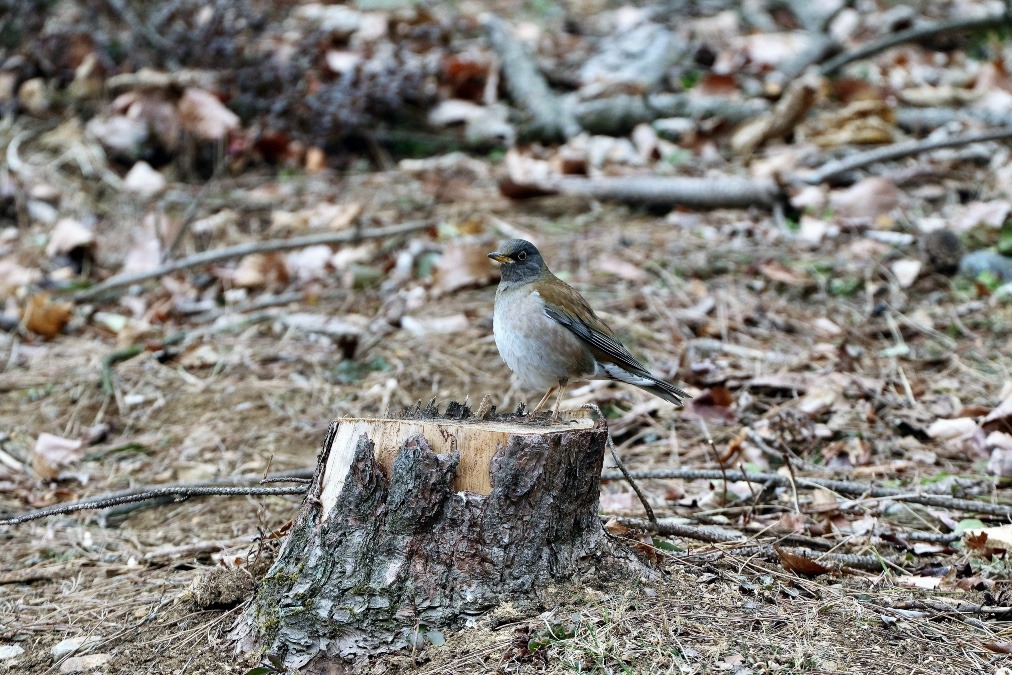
(780, 274)
(616, 528)
(799, 564)
(622, 268)
(464, 264)
(67, 235)
(998, 647)
(53, 452)
(999, 419)
(46, 318)
(869, 198)
(203, 115)
(714, 403)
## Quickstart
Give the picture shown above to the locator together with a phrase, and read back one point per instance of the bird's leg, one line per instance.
(558, 401)
(543, 399)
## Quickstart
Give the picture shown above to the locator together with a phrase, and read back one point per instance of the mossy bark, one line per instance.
(396, 551)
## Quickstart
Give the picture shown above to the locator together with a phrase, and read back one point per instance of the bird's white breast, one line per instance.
(538, 349)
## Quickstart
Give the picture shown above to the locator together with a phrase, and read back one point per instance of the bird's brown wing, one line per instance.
(564, 305)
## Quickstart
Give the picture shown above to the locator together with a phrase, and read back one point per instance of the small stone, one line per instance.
(80, 664)
(74, 644)
(8, 652)
(973, 264)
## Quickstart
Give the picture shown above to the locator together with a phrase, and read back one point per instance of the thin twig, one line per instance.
(180, 492)
(914, 34)
(715, 536)
(111, 360)
(716, 455)
(839, 486)
(790, 475)
(636, 488)
(232, 252)
(191, 211)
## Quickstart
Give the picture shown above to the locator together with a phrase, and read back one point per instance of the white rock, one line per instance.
(71, 645)
(80, 664)
(8, 652)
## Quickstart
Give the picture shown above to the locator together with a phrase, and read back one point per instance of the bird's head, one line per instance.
(520, 260)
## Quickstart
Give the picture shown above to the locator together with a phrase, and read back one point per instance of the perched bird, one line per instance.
(549, 336)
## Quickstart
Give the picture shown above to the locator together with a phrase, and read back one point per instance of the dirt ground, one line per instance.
(259, 393)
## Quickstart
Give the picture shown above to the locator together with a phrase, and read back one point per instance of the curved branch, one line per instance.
(843, 487)
(915, 34)
(860, 160)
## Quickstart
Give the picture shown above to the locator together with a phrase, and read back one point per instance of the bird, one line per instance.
(550, 336)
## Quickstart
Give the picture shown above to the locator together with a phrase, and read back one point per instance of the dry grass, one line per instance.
(269, 392)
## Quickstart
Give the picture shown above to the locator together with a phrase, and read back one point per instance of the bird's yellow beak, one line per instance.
(499, 257)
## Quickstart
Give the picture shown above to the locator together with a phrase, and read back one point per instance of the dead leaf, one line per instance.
(954, 429)
(993, 213)
(14, 277)
(45, 317)
(793, 562)
(143, 180)
(867, 199)
(203, 115)
(906, 271)
(780, 274)
(715, 403)
(259, 269)
(999, 419)
(998, 648)
(623, 269)
(464, 264)
(51, 453)
(996, 537)
(442, 325)
(912, 581)
(69, 234)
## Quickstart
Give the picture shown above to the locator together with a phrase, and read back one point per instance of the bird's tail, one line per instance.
(662, 389)
(644, 380)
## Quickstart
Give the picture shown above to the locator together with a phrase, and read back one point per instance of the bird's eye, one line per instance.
(522, 255)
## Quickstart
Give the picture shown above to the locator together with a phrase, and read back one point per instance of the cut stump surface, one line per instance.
(422, 523)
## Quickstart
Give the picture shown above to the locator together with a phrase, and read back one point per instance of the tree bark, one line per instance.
(419, 524)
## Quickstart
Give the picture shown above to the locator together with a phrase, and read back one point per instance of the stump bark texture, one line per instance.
(416, 525)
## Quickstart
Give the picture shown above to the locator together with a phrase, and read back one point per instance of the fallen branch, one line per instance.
(861, 160)
(177, 492)
(842, 487)
(700, 193)
(915, 34)
(929, 119)
(526, 86)
(716, 536)
(618, 115)
(232, 252)
(958, 608)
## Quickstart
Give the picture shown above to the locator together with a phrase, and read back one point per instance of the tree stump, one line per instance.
(421, 523)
